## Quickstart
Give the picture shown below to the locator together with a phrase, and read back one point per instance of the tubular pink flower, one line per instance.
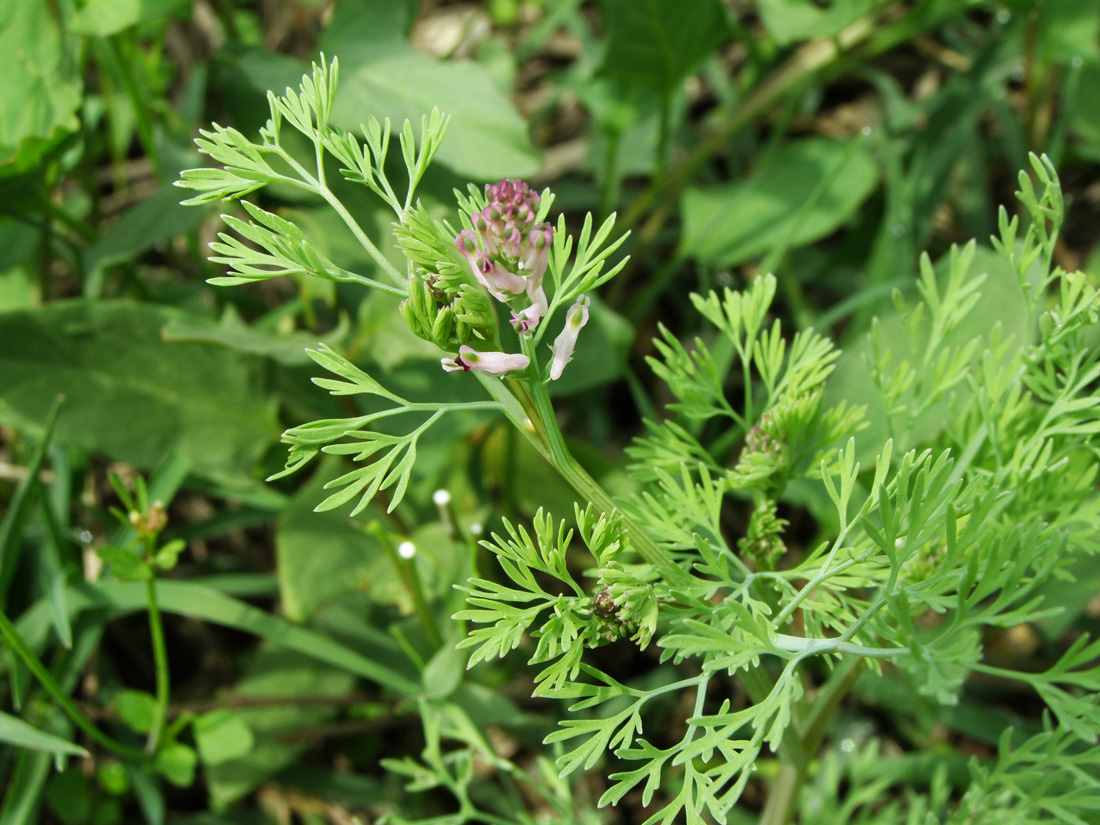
(508, 250)
(495, 363)
(528, 318)
(566, 341)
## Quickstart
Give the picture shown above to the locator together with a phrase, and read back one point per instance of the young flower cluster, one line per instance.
(508, 251)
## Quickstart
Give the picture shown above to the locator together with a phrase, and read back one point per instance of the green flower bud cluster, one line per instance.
(762, 543)
(443, 306)
(607, 616)
(448, 319)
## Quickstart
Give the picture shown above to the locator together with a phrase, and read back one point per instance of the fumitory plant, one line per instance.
(944, 507)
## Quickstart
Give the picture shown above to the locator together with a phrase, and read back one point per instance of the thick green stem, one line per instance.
(537, 421)
(45, 678)
(783, 795)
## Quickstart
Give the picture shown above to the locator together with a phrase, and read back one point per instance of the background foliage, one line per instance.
(314, 674)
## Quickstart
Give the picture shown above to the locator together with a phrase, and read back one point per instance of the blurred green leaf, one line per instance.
(444, 671)
(221, 735)
(112, 778)
(130, 394)
(382, 76)
(137, 709)
(233, 333)
(176, 763)
(23, 794)
(105, 17)
(154, 219)
(204, 603)
(805, 190)
(273, 673)
(1083, 108)
(69, 795)
(21, 503)
(657, 44)
(1069, 31)
(125, 564)
(15, 731)
(792, 20)
(42, 83)
(322, 556)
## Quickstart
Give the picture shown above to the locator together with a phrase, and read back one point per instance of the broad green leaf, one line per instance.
(274, 673)
(1069, 31)
(657, 44)
(137, 709)
(105, 17)
(382, 76)
(176, 763)
(806, 190)
(791, 20)
(154, 219)
(221, 735)
(41, 83)
(233, 333)
(322, 556)
(206, 604)
(15, 731)
(125, 564)
(1001, 304)
(129, 393)
(69, 795)
(444, 672)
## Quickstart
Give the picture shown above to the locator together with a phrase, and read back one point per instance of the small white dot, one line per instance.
(406, 550)
(848, 746)
(898, 543)
(441, 498)
(866, 130)
(476, 529)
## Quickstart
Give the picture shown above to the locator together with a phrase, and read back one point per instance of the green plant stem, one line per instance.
(360, 235)
(318, 185)
(783, 795)
(160, 663)
(406, 571)
(45, 678)
(828, 700)
(534, 399)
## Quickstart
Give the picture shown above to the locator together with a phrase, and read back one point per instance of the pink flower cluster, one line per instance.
(508, 250)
